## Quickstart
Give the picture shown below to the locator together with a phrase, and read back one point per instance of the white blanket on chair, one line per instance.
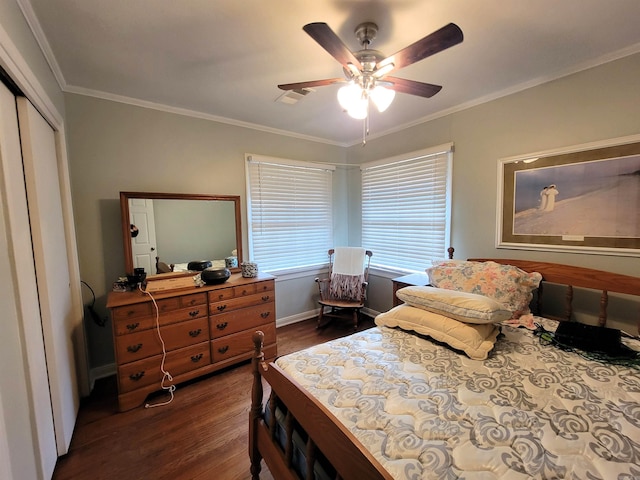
(348, 260)
(347, 274)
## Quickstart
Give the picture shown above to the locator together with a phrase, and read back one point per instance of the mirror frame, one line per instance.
(126, 226)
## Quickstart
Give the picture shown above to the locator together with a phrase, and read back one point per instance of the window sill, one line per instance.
(391, 273)
(317, 270)
(299, 272)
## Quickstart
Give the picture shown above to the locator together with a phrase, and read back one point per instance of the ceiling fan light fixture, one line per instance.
(353, 70)
(360, 110)
(384, 69)
(382, 97)
(349, 95)
(355, 99)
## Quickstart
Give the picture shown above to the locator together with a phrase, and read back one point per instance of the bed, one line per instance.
(523, 409)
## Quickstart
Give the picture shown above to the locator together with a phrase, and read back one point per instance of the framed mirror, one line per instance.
(174, 229)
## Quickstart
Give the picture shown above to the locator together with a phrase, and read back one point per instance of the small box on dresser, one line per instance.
(204, 329)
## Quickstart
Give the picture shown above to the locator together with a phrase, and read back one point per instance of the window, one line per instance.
(406, 208)
(289, 212)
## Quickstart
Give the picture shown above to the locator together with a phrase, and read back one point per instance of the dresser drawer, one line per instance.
(241, 319)
(244, 290)
(176, 303)
(131, 325)
(146, 343)
(134, 311)
(220, 294)
(265, 286)
(239, 343)
(241, 302)
(146, 372)
(251, 288)
(240, 291)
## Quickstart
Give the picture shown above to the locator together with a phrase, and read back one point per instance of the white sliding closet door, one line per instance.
(5, 456)
(26, 403)
(51, 256)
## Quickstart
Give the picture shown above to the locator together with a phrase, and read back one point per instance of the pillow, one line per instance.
(506, 284)
(474, 340)
(462, 306)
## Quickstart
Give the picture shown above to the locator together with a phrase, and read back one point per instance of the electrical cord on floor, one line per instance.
(166, 376)
(94, 315)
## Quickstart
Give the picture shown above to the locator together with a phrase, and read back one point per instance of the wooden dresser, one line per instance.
(203, 329)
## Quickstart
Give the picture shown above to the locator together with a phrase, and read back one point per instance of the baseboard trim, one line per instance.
(102, 371)
(369, 312)
(298, 317)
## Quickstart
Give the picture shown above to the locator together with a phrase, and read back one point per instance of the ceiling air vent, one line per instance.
(291, 97)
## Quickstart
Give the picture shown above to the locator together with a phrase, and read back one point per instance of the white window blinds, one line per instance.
(290, 212)
(406, 209)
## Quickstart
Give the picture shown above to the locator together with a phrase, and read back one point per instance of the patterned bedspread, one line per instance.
(528, 411)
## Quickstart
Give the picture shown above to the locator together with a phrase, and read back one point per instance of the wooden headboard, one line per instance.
(577, 277)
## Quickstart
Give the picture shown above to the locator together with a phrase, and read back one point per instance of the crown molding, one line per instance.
(32, 20)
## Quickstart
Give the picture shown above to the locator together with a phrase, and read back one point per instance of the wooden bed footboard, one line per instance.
(324, 432)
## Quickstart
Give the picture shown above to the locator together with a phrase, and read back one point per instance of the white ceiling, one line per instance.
(223, 59)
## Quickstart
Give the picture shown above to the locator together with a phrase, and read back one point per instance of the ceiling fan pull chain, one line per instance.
(365, 126)
(364, 132)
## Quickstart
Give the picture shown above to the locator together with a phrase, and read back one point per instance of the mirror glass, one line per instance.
(176, 229)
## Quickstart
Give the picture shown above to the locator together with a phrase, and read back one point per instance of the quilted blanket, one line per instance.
(530, 411)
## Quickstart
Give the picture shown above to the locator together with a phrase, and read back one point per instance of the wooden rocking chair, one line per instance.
(349, 300)
(162, 267)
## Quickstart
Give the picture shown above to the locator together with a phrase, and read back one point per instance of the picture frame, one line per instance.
(584, 198)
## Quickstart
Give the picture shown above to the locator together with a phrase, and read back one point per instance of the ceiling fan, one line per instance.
(367, 70)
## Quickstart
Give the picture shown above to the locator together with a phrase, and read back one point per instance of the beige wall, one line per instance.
(116, 147)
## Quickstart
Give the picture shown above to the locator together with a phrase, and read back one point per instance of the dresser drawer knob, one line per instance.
(221, 307)
(265, 298)
(221, 296)
(196, 358)
(133, 326)
(195, 333)
(222, 326)
(244, 292)
(223, 349)
(136, 376)
(134, 348)
(194, 313)
(265, 314)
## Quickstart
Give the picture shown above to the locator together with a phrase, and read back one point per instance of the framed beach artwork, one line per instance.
(584, 198)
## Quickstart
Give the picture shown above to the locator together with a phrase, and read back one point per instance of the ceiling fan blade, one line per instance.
(412, 87)
(446, 37)
(313, 83)
(327, 39)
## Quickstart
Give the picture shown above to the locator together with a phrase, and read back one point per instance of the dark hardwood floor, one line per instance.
(201, 435)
